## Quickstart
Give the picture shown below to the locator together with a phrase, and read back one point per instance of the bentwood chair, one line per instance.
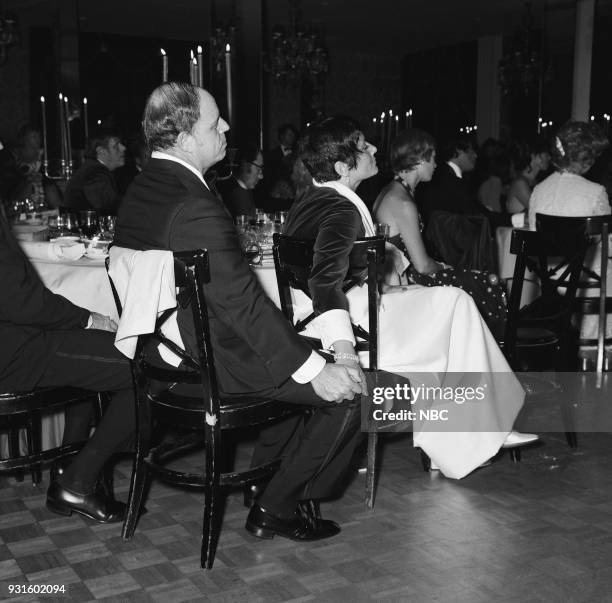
(293, 259)
(540, 336)
(200, 411)
(22, 412)
(597, 229)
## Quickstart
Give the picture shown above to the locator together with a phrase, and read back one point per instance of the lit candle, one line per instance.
(410, 118)
(191, 70)
(62, 131)
(194, 68)
(228, 77)
(43, 108)
(396, 124)
(68, 140)
(164, 65)
(200, 68)
(85, 120)
(539, 124)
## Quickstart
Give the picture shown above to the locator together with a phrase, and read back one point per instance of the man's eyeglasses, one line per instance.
(259, 167)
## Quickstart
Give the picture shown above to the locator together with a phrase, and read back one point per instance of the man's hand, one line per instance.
(102, 323)
(336, 383)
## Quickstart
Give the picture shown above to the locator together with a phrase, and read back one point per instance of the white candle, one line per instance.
(410, 118)
(68, 140)
(194, 70)
(85, 120)
(228, 78)
(62, 131)
(43, 108)
(164, 65)
(200, 68)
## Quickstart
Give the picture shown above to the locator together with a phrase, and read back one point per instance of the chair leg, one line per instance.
(572, 439)
(139, 469)
(425, 460)
(34, 436)
(211, 525)
(515, 454)
(13, 445)
(371, 470)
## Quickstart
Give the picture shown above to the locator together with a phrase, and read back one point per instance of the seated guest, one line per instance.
(422, 330)
(279, 164)
(21, 173)
(137, 156)
(496, 176)
(566, 192)
(49, 342)
(529, 160)
(449, 191)
(93, 185)
(237, 191)
(257, 351)
(413, 160)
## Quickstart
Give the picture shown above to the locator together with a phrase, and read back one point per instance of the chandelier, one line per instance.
(297, 51)
(9, 35)
(521, 69)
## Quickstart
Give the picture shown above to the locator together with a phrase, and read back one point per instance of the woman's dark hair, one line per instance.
(451, 147)
(409, 148)
(522, 151)
(100, 137)
(171, 108)
(324, 143)
(577, 145)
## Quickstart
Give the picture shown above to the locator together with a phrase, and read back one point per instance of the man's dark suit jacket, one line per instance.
(238, 200)
(92, 186)
(168, 207)
(27, 310)
(447, 192)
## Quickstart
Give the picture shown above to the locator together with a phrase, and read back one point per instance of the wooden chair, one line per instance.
(23, 411)
(204, 413)
(597, 228)
(540, 336)
(293, 262)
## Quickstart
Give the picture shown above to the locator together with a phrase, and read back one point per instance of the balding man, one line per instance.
(257, 351)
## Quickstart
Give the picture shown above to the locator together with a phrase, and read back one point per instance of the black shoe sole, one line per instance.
(67, 511)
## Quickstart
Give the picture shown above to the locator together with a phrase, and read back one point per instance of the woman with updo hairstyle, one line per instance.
(427, 332)
(413, 160)
(566, 192)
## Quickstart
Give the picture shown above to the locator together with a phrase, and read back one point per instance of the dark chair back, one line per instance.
(293, 260)
(555, 253)
(577, 231)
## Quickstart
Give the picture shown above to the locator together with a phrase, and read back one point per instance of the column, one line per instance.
(583, 49)
(487, 87)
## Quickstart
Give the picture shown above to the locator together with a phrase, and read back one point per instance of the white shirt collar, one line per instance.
(241, 184)
(191, 168)
(455, 169)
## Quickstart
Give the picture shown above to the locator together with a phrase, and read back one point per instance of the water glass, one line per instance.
(89, 223)
(382, 230)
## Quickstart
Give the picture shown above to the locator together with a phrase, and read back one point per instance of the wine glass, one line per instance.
(89, 223)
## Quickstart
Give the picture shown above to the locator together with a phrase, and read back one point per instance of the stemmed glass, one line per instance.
(89, 223)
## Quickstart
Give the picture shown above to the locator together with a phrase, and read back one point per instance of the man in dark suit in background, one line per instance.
(49, 342)
(450, 191)
(169, 206)
(93, 185)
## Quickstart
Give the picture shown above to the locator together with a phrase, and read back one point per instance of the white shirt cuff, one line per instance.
(89, 322)
(518, 220)
(310, 369)
(333, 325)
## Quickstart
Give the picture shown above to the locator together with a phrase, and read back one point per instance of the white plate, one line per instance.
(66, 239)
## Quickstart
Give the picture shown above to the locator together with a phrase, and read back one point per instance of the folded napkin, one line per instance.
(56, 251)
(145, 284)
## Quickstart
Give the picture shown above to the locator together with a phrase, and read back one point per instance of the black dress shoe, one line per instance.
(310, 512)
(105, 479)
(94, 504)
(263, 524)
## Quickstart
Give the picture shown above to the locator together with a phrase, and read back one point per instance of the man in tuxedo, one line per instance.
(169, 206)
(49, 342)
(279, 165)
(93, 185)
(449, 190)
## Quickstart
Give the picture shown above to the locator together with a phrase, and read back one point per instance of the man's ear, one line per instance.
(183, 141)
(341, 168)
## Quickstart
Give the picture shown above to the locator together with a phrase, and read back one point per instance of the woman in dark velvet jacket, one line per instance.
(435, 330)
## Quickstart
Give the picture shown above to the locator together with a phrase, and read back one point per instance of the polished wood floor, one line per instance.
(540, 530)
